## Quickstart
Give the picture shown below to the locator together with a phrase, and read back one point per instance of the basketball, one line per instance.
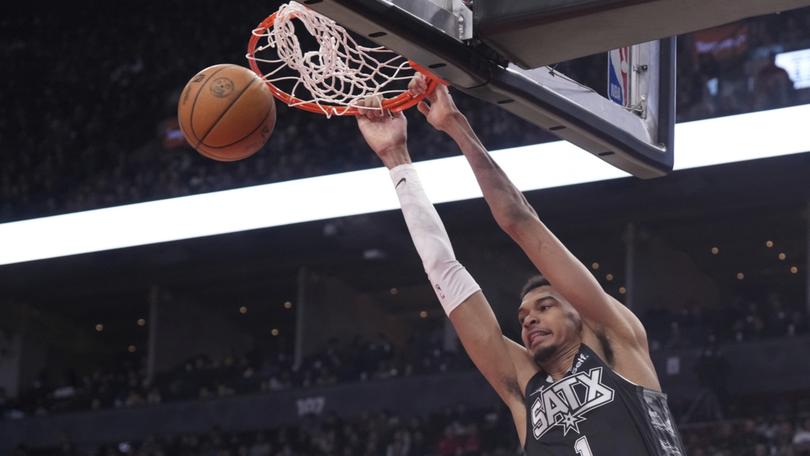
(226, 112)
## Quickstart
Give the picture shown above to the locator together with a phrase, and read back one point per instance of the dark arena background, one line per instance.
(323, 337)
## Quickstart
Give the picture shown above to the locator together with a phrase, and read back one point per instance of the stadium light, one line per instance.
(700, 143)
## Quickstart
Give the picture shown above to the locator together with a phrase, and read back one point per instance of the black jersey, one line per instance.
(593, 411)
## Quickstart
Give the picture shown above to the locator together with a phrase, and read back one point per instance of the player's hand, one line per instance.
(384, 131)
(439, 110)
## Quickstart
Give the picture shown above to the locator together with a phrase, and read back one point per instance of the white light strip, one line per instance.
(742, 137)
(700, 143)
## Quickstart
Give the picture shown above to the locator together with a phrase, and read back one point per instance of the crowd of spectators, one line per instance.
(126, 383)
(359, 360)
(79, 131)
(453, 432)
(742, 320)
(760, 436)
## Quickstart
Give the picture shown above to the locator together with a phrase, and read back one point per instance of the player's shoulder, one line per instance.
(624, 329)
(625, 352)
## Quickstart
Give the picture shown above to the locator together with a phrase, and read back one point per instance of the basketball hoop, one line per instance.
(334, 79)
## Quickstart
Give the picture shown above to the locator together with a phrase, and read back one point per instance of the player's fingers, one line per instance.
(371, 107)
(413, 86)
(418, 85)
(370, 102)
(419, 79)
(423, 108)
(366, 102)
(421, 82)
(441, 93)
(434, 96)
(364, 108)
(379, 111)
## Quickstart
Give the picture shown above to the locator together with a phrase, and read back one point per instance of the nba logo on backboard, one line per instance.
(619, 65)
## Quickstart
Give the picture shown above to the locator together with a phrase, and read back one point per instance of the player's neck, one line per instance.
(560, 363)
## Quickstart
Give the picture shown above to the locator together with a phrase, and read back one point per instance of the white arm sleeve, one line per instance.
(450, 280)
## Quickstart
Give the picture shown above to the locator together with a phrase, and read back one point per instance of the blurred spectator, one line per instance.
(712, 371)
(773, 87)
(740, 321)
(801, 439)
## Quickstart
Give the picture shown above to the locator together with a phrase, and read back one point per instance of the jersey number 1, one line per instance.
(581, 446)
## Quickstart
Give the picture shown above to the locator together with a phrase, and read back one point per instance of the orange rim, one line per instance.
(398, 103)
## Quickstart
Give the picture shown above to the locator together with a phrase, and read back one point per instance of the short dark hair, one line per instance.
(536, 281)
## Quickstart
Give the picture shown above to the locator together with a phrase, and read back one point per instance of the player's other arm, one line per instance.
(517, 218)
(459, 294)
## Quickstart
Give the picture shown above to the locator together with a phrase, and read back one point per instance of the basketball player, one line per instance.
(582, 383)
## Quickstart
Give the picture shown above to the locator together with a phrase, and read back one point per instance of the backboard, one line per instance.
(497, 52)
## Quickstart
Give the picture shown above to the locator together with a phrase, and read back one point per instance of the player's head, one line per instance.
(548, 322)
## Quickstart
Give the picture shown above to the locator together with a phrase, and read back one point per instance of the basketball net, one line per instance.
(334, 79)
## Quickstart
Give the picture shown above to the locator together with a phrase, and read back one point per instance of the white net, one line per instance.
(337, 75)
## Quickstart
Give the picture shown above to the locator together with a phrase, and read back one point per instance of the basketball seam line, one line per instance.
(247, 135)
(194, 105)
(225, 111)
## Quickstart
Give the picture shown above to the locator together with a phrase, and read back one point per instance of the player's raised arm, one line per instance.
(518, 219)
(459, 294)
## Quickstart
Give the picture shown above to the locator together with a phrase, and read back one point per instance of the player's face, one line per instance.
(548, 322)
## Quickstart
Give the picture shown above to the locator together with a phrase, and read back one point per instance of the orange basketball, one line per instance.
(226, 112)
